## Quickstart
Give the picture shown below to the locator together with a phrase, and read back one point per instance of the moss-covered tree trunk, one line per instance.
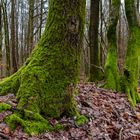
(45, 83)
(128, 80)
(111, 71)
(131, 72)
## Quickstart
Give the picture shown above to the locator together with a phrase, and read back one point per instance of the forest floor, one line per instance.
(110, 118)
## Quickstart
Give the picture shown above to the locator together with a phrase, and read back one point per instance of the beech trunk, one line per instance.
(46, 82)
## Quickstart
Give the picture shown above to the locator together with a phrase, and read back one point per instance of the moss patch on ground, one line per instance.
(4, 107)
(32, 123)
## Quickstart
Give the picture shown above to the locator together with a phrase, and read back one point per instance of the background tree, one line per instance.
(17, 7)
(128, 80)
(0, 39)
(111, 70)
(93, 40)
(6, 37)
(30, 27)
(21, 26)
(13, 37)
(131, 72)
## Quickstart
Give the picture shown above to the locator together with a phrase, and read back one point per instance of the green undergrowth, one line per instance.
(4, 107)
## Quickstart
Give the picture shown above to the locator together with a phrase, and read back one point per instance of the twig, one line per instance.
(120, 134)
(99, 67)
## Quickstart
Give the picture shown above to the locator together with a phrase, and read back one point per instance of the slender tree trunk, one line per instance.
(30, 27)
(101, 35)
(138, 5)
(16, 32)
(13, 43)
(22, 40)
(6, 33)
(93, 40)
(46, 82)
(41, 15)
(0, 39)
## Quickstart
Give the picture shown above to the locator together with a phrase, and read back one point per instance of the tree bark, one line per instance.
(131, 72)
(0, 39)
(13, 40)
(41, 15)
(16, 32)
(45, 83)
(93, 40)
(127, 81)
(30, 36)
(6, 38)
(111, 70)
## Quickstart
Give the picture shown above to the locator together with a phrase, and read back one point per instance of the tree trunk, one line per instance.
(131, 72)
(45, 83)
(16, 32)
(13, 43)
(41, 15)
(0, 40)
(6, 33)
(30, 27)
(138, 5)
(111, 70)
(93, 40)
(128, 80)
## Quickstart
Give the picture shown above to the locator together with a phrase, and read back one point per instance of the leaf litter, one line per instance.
(110, 116)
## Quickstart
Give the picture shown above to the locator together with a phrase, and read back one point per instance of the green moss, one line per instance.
(46, 82)
(4, 106)
(112, 79)
(80, 120)
(9, 84)
(131, 72)
(32, 123)
(127, 82)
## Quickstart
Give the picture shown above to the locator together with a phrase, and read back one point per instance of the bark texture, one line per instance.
(111, 70)
(30, 37)
(6, 39)
(93, 41)
(13, 37)
(128, 81)
(1, 39)
(45, 84)
(131, 72)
